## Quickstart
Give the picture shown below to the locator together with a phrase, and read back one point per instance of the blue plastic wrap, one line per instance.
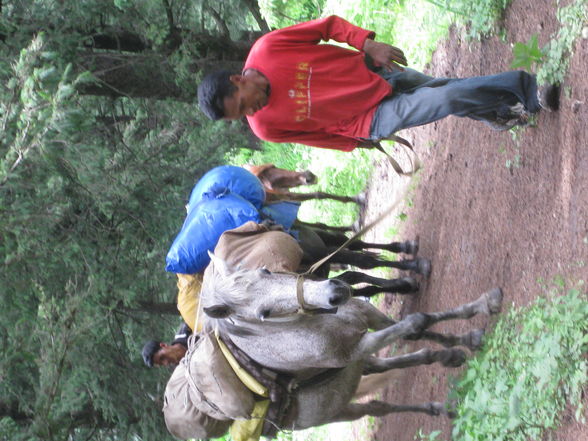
(228, 177)
(283, 213)
(202, 229)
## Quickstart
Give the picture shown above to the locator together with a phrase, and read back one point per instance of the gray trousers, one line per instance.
(419, 99)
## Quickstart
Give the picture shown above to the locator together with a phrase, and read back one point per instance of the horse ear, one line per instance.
(219, 265)
(217, 311)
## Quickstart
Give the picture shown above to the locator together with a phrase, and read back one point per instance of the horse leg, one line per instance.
(301, 197)
(377, 320)
(488, 303)
(406, 247)
(334, 239)
(354, 411)
(366, 261)
(378, 373)
(405, 285)
(321, 226)
(448, 358)
(471, 340)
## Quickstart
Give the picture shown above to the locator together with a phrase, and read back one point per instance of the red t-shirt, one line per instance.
(321, 95)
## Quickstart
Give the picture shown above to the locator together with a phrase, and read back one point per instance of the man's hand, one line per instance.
(385, 55)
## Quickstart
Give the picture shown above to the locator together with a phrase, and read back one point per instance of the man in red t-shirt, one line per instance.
(293, 89)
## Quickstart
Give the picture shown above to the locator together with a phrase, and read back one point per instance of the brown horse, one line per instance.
(277, 183)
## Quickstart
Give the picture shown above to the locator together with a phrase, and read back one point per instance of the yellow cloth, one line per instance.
(189, 286)
(247, 430)
(250, 430)
(248, 380)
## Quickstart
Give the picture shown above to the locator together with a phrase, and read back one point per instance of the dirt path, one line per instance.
(484, 224)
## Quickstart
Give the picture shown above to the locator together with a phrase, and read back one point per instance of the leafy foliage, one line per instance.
(480, 17)
(92, 192)
(530, 367)
(282, 13)
(526, 55)
(557, 51)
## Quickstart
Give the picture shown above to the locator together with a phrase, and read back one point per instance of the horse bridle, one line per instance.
(305, 308)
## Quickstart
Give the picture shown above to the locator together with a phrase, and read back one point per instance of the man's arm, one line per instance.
(329, 28)
(338, 29)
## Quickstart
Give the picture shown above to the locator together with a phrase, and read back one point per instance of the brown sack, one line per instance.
(183, 418)
(204, 392)
(255, 246)
(217, 381)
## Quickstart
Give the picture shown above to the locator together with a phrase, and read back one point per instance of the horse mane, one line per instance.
(230, 290)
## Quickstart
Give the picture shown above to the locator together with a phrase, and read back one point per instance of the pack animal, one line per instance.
(277, 183)
(268, 317)
(257, 245)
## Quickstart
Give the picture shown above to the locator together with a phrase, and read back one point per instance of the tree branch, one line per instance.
(253, 7)
(222, 26)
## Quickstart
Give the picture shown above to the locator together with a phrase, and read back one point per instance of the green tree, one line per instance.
(95, 169)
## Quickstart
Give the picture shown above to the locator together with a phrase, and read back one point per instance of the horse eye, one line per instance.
(264, 271)
(264, 313)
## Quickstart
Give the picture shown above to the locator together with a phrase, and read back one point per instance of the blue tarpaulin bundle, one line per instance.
(224, 198)
(229, 177)
(205, 223)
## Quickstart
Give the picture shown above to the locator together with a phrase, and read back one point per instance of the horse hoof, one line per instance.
(474, 339)
(309, 177)
(453, 358)
(411, 246)
(494, 300)
(360, 199)
(411, 284)
(436, 409)
(423, 267)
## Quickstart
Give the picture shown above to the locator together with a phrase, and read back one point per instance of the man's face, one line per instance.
(169, 355)
(247, 99)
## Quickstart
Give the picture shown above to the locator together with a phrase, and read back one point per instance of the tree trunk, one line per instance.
(253, 7)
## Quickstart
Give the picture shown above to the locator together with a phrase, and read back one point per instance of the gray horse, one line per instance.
(274, 318)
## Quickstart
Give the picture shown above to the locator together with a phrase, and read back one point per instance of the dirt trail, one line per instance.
(486, 224)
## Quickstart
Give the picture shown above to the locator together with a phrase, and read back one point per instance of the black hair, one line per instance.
(149, 350)
(212, 91)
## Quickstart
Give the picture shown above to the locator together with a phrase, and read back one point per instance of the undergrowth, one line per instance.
(530, 368)
(557, 52)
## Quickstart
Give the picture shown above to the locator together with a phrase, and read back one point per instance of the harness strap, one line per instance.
(415, 162)
(300, 292)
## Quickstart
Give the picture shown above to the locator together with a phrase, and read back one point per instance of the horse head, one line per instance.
(261, 295)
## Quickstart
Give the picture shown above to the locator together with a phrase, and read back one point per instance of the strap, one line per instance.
(246, 378)
(415, 162)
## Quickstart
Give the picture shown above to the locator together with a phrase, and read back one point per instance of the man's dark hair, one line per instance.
(149, 350)
(212, 92)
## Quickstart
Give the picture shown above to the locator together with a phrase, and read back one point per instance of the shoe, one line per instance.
(548, 97)
(515, 115)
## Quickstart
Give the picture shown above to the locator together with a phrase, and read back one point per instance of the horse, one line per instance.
(251, 244)
(277, 183)
(303, 332)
